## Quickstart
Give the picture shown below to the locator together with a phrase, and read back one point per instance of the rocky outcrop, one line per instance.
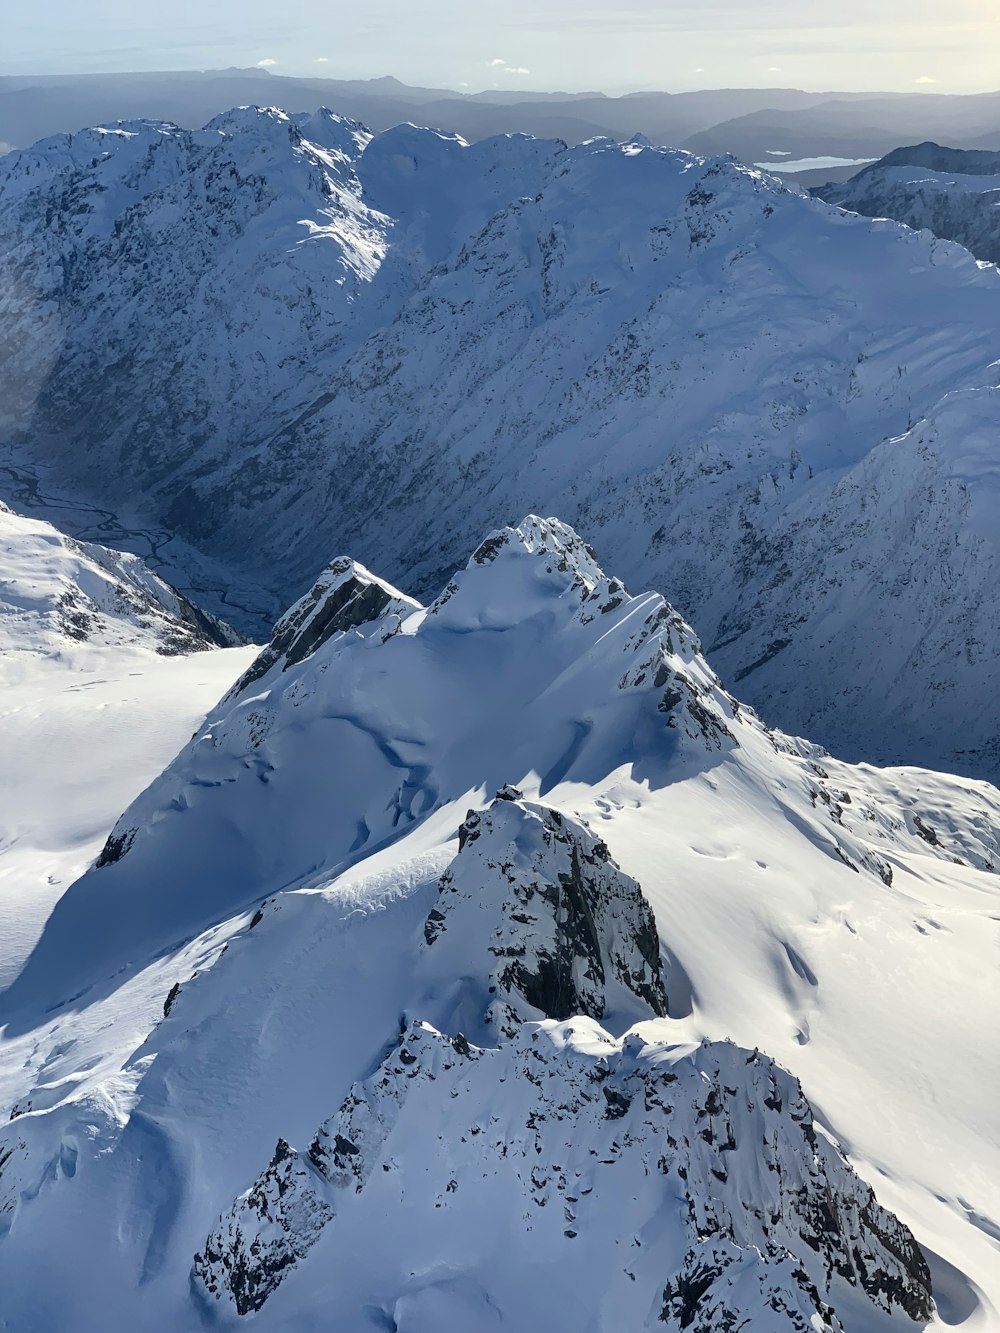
(759, 1221)
(566, 932)
(345, 596)
(278, 1222)
(768, 1222)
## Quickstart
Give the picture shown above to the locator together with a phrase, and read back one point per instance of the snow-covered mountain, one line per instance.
(104, 671)
(486, 963)
(54, 589)
(287, 336)
(953, 192)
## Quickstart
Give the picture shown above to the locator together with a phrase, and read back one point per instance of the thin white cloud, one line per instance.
(266, 63)
(925, 78)
(501, 65)
(774, 69)
(322, 60)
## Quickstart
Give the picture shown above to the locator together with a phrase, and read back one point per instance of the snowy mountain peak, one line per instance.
(336, 140)
(548, 537)
(333, 133)
(238, 120)
(532, 620)
(569, 933)
(532, 668)
(517, 572)
(56, 592)
(703, 1159)
(511, 563)
(345, 597)
(321, 904)
(715, 1143)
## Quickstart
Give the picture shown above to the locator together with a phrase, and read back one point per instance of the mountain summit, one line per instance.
(487, 961)
(951, 192)
(289, 335)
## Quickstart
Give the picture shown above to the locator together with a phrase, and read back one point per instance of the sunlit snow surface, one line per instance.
(843, 920)
(99, 687)
(280, 337)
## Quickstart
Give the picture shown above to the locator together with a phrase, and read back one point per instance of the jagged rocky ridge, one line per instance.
(783, 414)
(422, 744)
(303, 885)
(952, 192)
(56, 590)
(542, 568)
(722, 1137)
(344, 597)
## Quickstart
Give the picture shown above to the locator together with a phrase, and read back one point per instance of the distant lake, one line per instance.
(815, 163)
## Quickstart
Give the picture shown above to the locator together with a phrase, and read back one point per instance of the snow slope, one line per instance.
(287, 336)
(300, 935)
(56, 590)
(104, 672)
(953, 192)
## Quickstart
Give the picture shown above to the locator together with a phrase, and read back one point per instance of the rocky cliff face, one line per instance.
(344, 597)
(767, 1224)
(568, 932)
(713, 1146)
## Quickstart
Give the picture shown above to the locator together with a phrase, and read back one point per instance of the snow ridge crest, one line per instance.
(583, 1116)
(345, 597)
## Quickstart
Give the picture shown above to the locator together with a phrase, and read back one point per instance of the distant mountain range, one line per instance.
(953, 192)
(756, 124)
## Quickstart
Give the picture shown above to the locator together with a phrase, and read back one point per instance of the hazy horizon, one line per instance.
(859, 45)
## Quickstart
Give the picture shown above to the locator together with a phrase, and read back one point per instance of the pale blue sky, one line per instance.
(569, 44)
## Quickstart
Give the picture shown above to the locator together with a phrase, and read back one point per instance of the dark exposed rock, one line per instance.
(569, 932)
(774, 1257)
(283, 1201)
(344, 597)
(115, 847)
(925, 831)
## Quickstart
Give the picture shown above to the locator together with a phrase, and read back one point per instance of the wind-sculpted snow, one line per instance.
(532, 667)
(952, 192)
(532, 662)
(288, 336)
(414, 838)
